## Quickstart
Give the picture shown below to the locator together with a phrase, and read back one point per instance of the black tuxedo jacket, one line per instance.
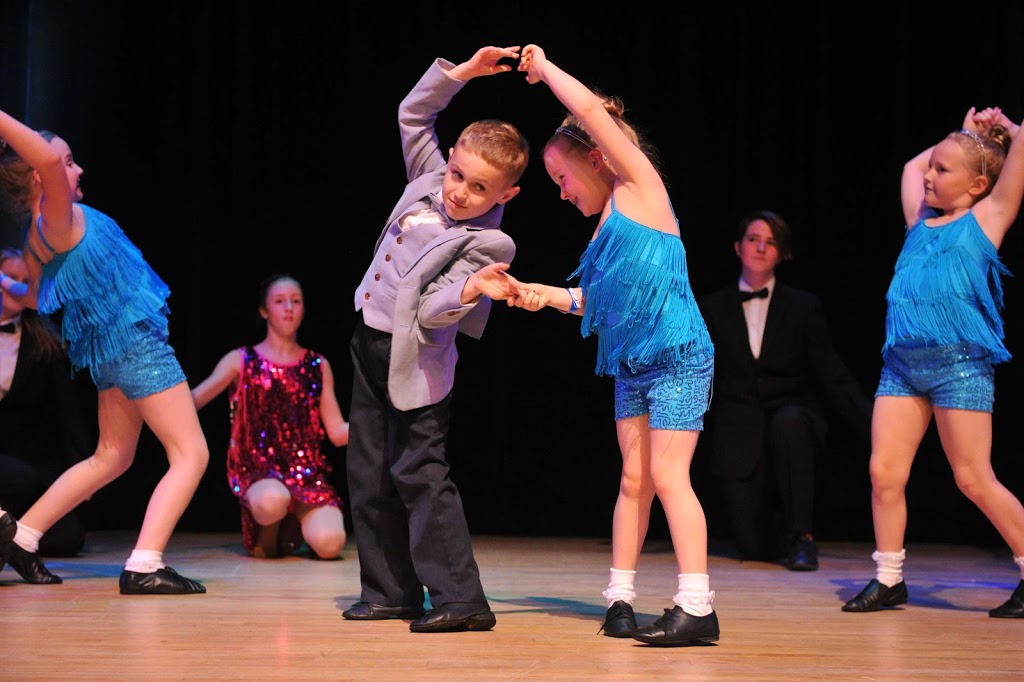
(798, 365)
(41, 417)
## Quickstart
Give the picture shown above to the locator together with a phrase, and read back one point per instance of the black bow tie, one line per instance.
(8, 328)
(747, 295)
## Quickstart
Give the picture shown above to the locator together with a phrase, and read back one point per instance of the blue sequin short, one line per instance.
(676, 396)
(148, 367)
(956, 376)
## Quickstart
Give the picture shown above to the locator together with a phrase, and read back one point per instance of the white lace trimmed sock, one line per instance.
(890, 566)
(620, 587)
(144, 561)
(694, 595)
(27, 538)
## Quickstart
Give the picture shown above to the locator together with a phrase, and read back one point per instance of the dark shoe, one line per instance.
(803, 555)
(8, 529)
(1014, 606)
(679, 628)
(877, 596)
(455, 617)
(30, 567)
(279, 539)
(620, 621)
(289, 535)
(364, 610)
(164, 581)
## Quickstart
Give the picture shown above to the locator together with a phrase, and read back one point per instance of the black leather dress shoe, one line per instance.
(803, 555)
(455, 617)
(30, 567)
(364, 610)
(679, 628)
(620, 621)
(1014, 606)
(877, 596)
(8, 528)
(163, 581)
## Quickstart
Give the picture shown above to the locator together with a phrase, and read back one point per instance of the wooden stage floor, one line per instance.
(281, 619)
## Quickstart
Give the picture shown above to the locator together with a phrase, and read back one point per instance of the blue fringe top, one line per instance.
(105, 288)
(638, 297)
(947, 288)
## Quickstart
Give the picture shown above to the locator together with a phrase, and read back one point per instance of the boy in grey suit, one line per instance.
(438, 263)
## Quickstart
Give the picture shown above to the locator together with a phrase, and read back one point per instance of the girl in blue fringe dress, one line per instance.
(944, 336)
(635, 295)
(113, 321)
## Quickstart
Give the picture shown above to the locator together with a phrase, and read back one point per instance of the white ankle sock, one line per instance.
(27, 538)
(620, 587)
(890, 566)
(694, 595)
(1019, 560)
(144, 561)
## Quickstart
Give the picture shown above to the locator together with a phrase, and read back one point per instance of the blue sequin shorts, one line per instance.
(956, 376)
(676, 396)
(148, 367)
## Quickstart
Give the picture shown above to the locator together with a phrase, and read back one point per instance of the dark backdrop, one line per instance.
(231, 140)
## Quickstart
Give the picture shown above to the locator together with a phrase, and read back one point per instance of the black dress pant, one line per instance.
(783, 477)
(21, 484)
(407, 516)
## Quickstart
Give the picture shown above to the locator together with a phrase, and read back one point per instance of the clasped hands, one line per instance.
(979, 121)
(494, 282)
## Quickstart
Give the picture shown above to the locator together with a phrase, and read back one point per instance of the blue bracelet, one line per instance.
(575, 305)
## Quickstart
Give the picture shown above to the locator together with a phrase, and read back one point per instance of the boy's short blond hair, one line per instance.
(499, 144)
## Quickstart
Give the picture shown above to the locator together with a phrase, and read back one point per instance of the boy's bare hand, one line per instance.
(485, 62)
(489, 281)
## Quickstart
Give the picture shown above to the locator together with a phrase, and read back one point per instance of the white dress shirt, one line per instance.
(9, 344)
(756, 312)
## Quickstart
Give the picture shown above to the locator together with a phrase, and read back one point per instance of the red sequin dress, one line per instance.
(276, 432)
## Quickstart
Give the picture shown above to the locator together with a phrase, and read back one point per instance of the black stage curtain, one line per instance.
(232, 140)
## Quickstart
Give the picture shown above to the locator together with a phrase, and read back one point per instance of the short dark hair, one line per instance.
(779, 227)
(270, 281)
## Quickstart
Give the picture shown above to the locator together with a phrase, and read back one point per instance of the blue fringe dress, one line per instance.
(947, 290)
(112, 304)
(638, 297)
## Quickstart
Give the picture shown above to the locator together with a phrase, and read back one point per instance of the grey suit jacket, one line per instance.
(428, 310)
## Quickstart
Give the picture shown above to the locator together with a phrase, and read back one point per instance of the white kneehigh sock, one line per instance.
(694, 595)
(1019, 560)
(890, 566)
(620, 587)
(27, 538)
(144, 561)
